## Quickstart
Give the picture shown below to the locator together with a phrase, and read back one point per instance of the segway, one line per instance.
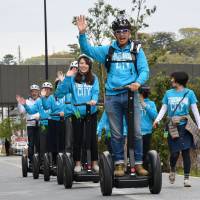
(68, 141)
(25, 167)
(87, 174)
(38, 157)
(24, 160)
(49, 168)
(130, 179)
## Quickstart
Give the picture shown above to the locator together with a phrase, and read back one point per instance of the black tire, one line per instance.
(60, 169)
(106, 174)
(67, 171)
(155, 172)
(46, 167)
(36, 166)
(24, 166)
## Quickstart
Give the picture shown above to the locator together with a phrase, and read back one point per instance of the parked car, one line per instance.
(18, 147)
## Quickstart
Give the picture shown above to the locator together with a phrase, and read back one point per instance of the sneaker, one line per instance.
(119, 170)
(141, 171)
(96, 168)
(172, 177)
(187, 183)
(77, 169)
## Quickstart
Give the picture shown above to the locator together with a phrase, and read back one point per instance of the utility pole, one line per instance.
(46, 45)
(19, 54)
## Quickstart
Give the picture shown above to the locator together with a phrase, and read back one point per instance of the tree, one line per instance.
(161, 40)
(5, 128)
(98, 22)
(189, 32)
(74, 50)
(141, 13)
(9, 59)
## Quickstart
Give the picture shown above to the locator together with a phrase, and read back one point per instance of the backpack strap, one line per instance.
(135, 48)
(109, 58)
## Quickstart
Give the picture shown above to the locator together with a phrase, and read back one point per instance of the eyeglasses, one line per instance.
(121, 31)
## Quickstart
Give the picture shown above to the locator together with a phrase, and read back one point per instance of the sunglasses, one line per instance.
(121, 31)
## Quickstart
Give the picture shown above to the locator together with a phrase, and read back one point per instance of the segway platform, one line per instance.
(129, 181)
(86, 176)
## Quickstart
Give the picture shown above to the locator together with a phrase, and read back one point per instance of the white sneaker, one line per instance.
(77, 169)
(96, 168)
(187, 183)
(172, 177)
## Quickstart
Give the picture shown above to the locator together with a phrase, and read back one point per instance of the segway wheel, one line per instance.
(60, 168)
(155, 172)
(36, 166)
(46, 167)
(67, 171)
(24, 165)
(106, 173)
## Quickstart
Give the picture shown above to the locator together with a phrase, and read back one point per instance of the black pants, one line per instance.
(33, 141)
(83, 139)
(56, 136)
(186, 160)
(146, 140)
(68, 135)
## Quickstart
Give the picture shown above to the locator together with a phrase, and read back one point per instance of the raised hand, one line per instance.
(43, 92)
(18, 97)
(60, 75)
(22, 101)
(71, 72)
(81, 24)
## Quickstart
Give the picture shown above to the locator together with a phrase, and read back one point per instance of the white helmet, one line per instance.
(86, 56)
(47, 85)
(74, 64)
(34, 87)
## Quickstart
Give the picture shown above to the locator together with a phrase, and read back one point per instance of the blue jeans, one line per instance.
(116, 107)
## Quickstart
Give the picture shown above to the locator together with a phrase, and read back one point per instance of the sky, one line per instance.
(22, 22)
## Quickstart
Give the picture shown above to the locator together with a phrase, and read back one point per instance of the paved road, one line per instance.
(14, 187)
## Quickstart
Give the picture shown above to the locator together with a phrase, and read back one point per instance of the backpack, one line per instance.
(135, 47)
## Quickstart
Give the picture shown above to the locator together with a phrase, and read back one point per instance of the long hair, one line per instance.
(89, 77)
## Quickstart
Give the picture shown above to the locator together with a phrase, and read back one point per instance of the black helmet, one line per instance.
(121, 22)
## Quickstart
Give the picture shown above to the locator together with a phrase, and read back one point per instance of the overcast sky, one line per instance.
(21, 22)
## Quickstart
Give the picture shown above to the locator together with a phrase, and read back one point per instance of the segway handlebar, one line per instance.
(41, 119)
(84, 104)
(122, 87)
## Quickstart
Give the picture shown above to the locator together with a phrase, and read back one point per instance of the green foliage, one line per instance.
(189, 32)
(141, 11)
(74, 50)
(8, 126)
(159, 84)
(98, 21)
(5, 128)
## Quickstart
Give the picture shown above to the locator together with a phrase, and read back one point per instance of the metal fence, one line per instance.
(16, 79)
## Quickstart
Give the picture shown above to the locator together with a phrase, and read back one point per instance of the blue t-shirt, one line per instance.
(173, 97)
